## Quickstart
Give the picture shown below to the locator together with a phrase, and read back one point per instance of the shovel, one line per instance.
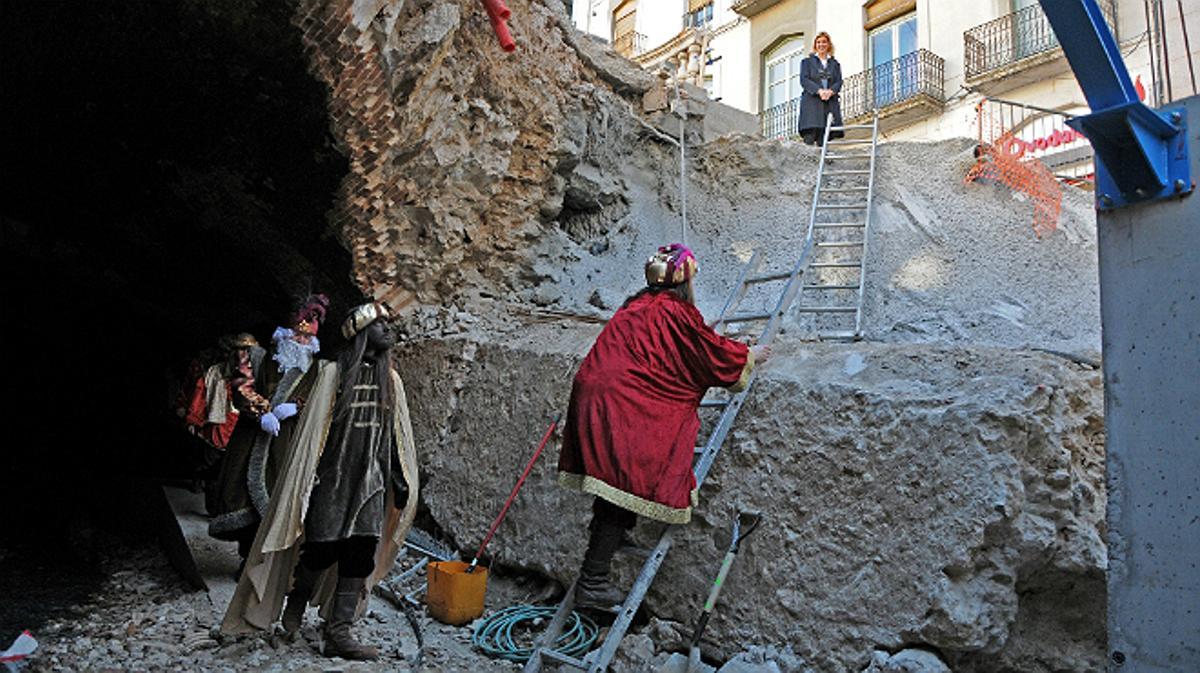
(743, 526)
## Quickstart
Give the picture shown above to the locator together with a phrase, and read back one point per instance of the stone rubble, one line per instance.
(947, 497)
(143, 618)
(935, 492)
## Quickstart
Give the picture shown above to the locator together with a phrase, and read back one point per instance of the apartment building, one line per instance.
(930, 69)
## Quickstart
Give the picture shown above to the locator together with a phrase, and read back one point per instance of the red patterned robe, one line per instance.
(632, 424)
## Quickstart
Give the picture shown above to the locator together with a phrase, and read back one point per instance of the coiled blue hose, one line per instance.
(494, 635)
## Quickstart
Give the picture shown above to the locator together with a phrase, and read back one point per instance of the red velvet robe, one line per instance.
(632, 424)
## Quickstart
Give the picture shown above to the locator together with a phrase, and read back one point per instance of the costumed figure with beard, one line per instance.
(268, 399)
(632, 424)
(344, 500)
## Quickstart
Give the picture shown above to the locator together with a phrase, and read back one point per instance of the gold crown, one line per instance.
(362, 316)
(665, 269)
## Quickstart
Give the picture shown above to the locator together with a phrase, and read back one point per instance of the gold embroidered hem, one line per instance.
(744, 379)
(629, 501)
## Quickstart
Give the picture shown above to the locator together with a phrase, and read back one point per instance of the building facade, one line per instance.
(930, 69)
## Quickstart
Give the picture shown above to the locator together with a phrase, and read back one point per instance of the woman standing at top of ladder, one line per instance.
(821, 79)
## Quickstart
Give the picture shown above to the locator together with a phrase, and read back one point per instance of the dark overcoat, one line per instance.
(813, 78)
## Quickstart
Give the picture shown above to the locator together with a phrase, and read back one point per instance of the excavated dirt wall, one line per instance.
(936, 496)
(940, 486)
(478, 179)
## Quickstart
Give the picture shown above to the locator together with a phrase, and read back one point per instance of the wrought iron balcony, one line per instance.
(629, 44)
(780, 121)
(913, 81)
(902, 91)
(992, 47)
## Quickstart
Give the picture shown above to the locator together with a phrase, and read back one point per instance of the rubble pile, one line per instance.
(933, 496)
(143, 618)
(939, 486)
(479, 179)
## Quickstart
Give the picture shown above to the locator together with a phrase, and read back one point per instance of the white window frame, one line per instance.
(896, 89)
(776, 57)
(893, 26)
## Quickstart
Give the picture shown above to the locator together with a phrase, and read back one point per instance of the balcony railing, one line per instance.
(1013, 37)
(780, 121)
(630, 44)
(1029, 132)
(913, 75)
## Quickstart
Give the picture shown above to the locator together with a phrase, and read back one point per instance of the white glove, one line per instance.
(269, 423)
(284, 411)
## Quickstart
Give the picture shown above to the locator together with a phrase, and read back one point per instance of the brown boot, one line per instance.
(593, 590)
(297, 600)
(339, 642)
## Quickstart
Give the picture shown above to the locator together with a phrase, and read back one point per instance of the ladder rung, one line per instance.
(842, 206)
(700, 449)
(635, 550)
(827, 309)
(856, 171)
(833, 265)
(839, 244)
(838, 190)
(851, 126)
(847, 156)
(829, 287)
(768, 277)
(746, 317)
(845, 334)
(560, 658)
(831, 225)
(718, 404)
(850, 141)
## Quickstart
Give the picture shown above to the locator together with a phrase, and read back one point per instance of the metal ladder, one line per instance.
(839, 225)
(598, 660)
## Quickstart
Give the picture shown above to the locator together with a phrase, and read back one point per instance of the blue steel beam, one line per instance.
(1141, 154)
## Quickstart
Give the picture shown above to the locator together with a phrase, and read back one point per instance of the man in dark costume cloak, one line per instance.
(344, 500)
(266, 397)
(632, 424)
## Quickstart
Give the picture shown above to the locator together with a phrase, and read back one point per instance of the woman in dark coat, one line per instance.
(821, 79)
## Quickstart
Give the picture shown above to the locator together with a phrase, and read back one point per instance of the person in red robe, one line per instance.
(632, 424)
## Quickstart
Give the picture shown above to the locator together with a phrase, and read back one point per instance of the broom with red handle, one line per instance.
(513, 496)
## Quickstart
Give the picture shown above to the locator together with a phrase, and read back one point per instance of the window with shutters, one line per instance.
(624, 25)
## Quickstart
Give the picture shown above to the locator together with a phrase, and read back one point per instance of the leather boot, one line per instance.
(338, 640)
(593, 589)
(297, 600)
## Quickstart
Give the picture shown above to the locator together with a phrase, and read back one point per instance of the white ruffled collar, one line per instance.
(291, 354)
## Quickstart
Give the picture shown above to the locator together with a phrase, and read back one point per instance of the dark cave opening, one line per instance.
(167, 171)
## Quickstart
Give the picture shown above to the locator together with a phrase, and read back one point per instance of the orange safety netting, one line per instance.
(1003, 161)
(1001, 157)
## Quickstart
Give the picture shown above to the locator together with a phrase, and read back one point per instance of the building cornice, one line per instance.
(750, 8)
(684, 39)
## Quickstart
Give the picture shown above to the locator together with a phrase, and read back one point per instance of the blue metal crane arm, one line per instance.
(1141, 154)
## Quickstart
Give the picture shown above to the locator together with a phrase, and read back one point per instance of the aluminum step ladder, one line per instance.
(729, 405)
(839, 225)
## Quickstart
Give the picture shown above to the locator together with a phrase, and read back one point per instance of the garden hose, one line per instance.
(494, 634)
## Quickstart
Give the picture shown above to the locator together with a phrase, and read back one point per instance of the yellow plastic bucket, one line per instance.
(453, 595)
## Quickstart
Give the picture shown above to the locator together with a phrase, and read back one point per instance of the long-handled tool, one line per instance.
(455, 591)
(743, 525)
(513, 496)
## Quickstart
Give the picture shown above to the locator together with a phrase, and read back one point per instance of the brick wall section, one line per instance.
(459, 153)
(351, 64)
